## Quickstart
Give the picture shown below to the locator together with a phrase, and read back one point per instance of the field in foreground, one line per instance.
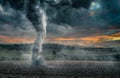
(61, 69)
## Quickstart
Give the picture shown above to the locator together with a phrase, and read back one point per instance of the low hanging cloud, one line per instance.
(14, 23)
(57, 29)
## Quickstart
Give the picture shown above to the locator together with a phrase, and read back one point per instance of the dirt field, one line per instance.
(60, 69)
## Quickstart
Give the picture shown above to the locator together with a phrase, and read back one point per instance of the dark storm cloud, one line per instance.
(15, 19)
(111, 11)
(14, 23)
(102, 19)
(74, 19)
(81, 3)
(112, 5)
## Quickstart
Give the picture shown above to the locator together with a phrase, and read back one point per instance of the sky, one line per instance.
(84, 23)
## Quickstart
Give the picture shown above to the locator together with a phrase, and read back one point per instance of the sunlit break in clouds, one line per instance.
(95, 6)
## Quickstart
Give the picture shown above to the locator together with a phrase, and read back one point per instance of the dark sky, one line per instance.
(80, 23)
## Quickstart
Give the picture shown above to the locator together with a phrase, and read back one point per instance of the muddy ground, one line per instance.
(60, 69)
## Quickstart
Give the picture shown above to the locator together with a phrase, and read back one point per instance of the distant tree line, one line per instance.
(54, 47)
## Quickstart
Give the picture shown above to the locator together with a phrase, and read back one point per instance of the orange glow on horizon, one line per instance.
(65, 39)
(85, 41)
(88, 38)
(9, 39)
